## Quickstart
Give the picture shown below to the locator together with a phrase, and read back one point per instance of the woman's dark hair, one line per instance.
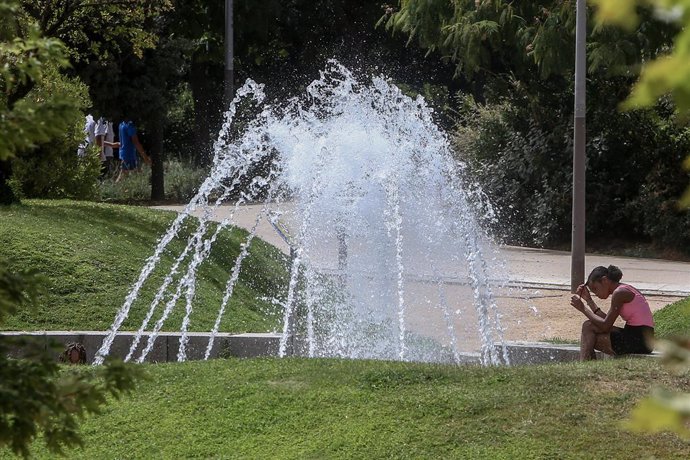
(613, 273)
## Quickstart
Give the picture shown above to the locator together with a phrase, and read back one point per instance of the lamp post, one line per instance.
(577, 266)
(229, 90)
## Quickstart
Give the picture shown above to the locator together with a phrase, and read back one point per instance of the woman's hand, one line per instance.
(583, 292)
(576, 302)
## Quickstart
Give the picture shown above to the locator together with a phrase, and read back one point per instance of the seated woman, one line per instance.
(598, 332)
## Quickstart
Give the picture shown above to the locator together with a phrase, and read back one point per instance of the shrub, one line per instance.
(53, 170)
(520, 168)
(182, 181)
(522, 160)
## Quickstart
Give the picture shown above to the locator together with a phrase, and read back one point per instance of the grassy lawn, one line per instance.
(673, 320)
(90, 255)
(298, 408)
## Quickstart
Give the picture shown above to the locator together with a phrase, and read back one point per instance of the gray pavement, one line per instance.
(527, 267)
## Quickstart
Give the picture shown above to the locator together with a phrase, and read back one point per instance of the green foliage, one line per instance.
(322, 408)
(97, 30)
(525, 39)
(25, 121)
(53, 169)
(182, 181)
(665, 410)
(673, 320)
(36, 396)
(90, 254)
(668, 74)
(522, 160)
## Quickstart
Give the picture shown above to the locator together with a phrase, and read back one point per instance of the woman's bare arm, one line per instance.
(604, 324)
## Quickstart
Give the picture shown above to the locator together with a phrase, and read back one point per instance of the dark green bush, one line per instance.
(53, 170)
(522, 160)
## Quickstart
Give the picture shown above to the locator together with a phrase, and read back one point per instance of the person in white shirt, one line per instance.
(89, 135)
(104, 132)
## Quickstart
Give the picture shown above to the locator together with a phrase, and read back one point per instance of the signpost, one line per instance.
(229, 90)
(577, 267)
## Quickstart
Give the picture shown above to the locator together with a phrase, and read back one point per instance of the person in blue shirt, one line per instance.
(128, 147)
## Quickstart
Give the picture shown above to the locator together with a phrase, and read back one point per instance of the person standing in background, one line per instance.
(128, 147)
(104, 134)
(89, 136)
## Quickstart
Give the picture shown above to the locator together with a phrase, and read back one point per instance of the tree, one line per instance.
(667, 74)
(34, 394)
(518, 56)
(24, 61)
(105, 39)
(526, 38)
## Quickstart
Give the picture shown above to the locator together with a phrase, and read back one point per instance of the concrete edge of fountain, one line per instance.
(525, 353)
(254, 345)
(165, 347)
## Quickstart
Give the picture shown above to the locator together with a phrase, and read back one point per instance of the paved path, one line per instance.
(532, 268)
(536, 307)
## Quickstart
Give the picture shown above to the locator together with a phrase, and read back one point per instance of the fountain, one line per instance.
(388, 259)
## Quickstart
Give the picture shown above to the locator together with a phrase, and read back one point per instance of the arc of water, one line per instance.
(493, 311)
(299, 250)
(198, 258)
(310, 296)
(432, 241)
(201, 197)
(482, 299)
(191, 242)
(244, 251)
(446, 313)
(289, 303)
(159, 296)
(202, 250)
(151, 262)
(254, 188)
(395, 222)
(184, 283)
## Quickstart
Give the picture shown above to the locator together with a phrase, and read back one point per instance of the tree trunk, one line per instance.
(7, 196)
(203, 105)
(157, 158)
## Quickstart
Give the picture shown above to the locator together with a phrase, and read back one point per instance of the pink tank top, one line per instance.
(637, 311)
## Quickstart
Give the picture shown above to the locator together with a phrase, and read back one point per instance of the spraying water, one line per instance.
(382, 223)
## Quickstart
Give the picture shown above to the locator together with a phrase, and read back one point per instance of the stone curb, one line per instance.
(521, 353)
(252, 345)
(165, 347)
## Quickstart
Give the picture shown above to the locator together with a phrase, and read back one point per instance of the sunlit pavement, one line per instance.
(528, 267)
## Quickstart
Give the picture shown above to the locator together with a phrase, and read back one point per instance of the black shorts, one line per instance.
(632, 339)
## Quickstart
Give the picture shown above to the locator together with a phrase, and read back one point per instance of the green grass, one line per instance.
(299, 408)
(673, 320)
(91, 254)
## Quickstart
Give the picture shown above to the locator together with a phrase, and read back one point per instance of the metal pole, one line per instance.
(577, 267)
(229, 91)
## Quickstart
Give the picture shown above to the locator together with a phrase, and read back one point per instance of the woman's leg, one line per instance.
(603, 342)
(588, 340)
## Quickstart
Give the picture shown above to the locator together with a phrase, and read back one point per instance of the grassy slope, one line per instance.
(90, 255)
(673, 320)
(293, 408)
